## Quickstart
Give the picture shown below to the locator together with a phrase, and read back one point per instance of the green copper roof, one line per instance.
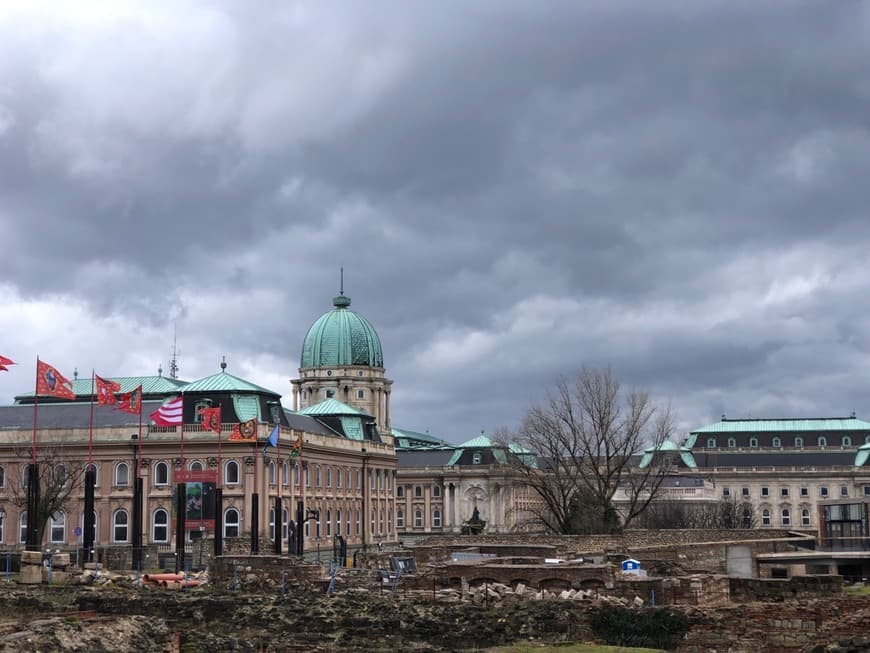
(862, 455)
(341, 337)
(416, 435)
(779, 425)
(223, 382)
(480, 442)
(332, 407)
(669, 445)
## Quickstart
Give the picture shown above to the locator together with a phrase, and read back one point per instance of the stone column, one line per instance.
(295, 397)
(387, 409)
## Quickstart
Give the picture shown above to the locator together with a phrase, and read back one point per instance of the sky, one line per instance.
(516, 190)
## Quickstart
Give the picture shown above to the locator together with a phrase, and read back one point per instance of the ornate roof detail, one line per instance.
(341, 337)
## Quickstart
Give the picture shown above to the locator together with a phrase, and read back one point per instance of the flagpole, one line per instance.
(35, 413)
(91, 425)
(220, 458)
(139, 452)
(182, 430)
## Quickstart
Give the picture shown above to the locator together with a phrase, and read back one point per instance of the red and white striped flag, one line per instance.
(169, 414)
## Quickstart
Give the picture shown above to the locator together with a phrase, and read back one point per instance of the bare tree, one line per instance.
(59, 479)
(725, 513)
(586, 437)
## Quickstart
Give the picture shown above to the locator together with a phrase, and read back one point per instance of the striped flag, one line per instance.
(169, 414)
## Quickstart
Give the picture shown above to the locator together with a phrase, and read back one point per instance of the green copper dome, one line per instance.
(341, 337)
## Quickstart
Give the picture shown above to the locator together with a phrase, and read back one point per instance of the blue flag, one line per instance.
(273, 439)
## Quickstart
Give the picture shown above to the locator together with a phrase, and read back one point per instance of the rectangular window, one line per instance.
(783, 491)
(744, 491)
(867, 490)
(726, 491)
(360, 394)
(823, 491)
(805, 491)
(765, 492)
(844, 491)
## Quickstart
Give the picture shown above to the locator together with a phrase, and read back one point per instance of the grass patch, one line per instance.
(857, 590)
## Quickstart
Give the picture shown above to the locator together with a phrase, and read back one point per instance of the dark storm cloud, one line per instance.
(514, 191)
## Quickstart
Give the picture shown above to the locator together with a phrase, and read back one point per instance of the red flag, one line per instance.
(211, 419)
(4, 362)
(296, 449)
(245, 431)
(170, 413)
(51, 382)
(131, 402)
(106, 390)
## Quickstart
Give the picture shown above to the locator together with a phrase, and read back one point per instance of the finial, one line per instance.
(75, 373)
(223, 363)
(342, 301)
(341, 286)
(159, 369)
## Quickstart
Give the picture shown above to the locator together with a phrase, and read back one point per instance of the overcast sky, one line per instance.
(515, 189)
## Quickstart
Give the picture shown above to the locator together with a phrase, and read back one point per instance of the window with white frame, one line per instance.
(822, 441)
(349, 479)
(338, 516)
(765, 491)
(298, 474)
(231, 522)
(418, 518)
(232, 474)
(347, 525)
(317, 524)
(272, 524)
(418, 491)
(161, 474)
(400, 518)
(805, 517)
(711, 443)
(120, 522)
(338, 477)
(22, 527)
(753, 442)
(307, 471)
(160, 526)
(374, 520)
(196, 466)
(844, 490)
(744, 491)
(436, 490)
(786, 517)
(732, 443)
(329, 476)
(358, 479)
(846, 441)
(273, 472)
(798, 441)
(783, 492)
(122, 474)
(400, 492)
(2, 526)
(360, 394)
(823, 491)
(57, 528)
(476, 458)
(381, 523)
(776, 442)
(358, 520)
(285, 473)
(329, 523)
(436, 518)
(805, 491)
(765, 517)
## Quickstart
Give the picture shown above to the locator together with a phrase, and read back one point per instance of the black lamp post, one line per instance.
(137, 505)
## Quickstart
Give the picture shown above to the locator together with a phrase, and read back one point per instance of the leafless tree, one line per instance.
(59, 478)
(725, 513)
(586, 438)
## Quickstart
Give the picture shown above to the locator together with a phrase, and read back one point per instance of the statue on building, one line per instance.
(475, 525)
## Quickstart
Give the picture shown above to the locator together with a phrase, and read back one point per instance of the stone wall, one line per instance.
(796, 587)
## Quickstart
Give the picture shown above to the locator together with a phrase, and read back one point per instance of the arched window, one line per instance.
(338, 517)
(400, 518)
(390, 520)
(317, 476)
(823, 441)
(347, 524)
(711, 443)
(231, 472)
(846, 441)
(798, 441)
(317, 525)
(60, 476)
(160, 526)
(374, 521)
(338, 477)
(285, 524)
(358, 479)
(297, 472)
(196, 466)
(786, 517)
(272, 524)
(285, 473)
(329, 477)
(231, 522)
(349, 479)
(122, 475)
(22, 527)
(120, 521)
(776, 442)
(273, 472)
(381, 523)
(765, 517)
(418, 491)
(805, 517)
(418, 519)
(57, 528)
(161, 475)
(400, 492)
(436, 490)
(436, 518)
(328, 515)
(732, 442)
(753, 442)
